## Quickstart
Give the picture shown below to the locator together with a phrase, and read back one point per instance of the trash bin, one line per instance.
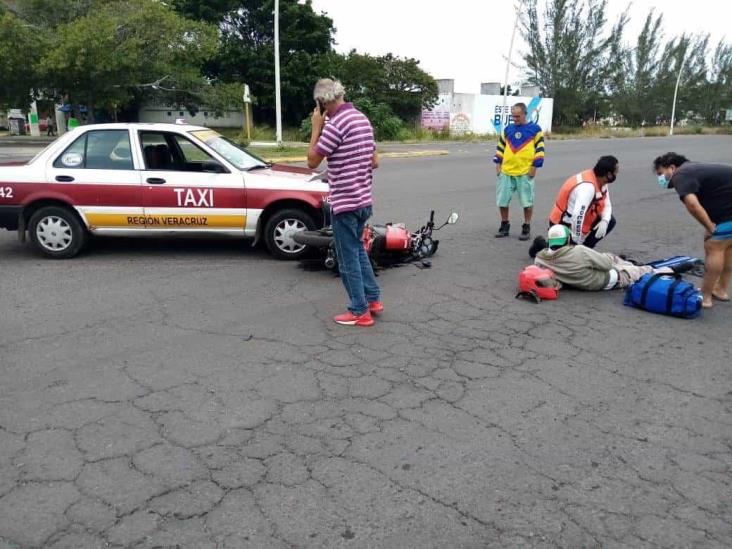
(17, 125)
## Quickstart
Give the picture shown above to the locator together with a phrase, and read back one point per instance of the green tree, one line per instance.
(390, 80)
(634, 86)
(511, 91)
(717, 94)
(569, 54)
(386, 125)
(49, 14)
(114, 55)
(20, 48)
(211, 11)
(691, 53)
(247, 54)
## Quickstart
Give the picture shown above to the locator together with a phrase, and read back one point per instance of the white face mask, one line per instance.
(662, 181)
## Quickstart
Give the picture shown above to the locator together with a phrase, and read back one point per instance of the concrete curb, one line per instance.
(393, 154)
(11, 142)
(413, 154)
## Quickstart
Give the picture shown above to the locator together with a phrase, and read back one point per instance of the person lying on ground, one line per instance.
(583, 268)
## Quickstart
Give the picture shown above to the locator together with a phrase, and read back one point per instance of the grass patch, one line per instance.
(260, 133)
(273, 154)
(601, 132)
(407, 136)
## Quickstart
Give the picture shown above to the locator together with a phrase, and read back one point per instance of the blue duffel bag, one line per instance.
(666, 294)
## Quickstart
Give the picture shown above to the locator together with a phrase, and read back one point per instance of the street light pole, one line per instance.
(676, 91)
(278, 100)
(508, 62)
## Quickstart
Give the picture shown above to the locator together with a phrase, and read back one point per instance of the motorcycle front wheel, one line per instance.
(427, 247)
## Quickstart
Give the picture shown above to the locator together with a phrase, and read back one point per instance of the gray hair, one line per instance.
(327, 90)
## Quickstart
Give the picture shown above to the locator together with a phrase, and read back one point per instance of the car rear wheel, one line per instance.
(280, 229)
(56, 232)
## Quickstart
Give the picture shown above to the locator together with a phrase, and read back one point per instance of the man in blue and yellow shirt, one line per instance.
(519, 153)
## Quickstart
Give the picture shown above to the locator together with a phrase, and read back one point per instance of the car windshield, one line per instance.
(232, 152)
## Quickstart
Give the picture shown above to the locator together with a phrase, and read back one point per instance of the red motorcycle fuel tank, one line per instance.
(397, 237)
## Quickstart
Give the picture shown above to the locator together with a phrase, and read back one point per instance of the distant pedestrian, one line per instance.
(519, 153)
(50, 130)
(706, 191)
(73, 122)
(346, 139)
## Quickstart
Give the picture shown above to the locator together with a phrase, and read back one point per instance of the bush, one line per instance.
(305, 128)
(386, 125)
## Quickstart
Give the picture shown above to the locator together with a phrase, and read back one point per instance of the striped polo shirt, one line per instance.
(348, 143)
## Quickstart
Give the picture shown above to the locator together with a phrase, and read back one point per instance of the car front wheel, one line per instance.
(56, 232)
(280, 229)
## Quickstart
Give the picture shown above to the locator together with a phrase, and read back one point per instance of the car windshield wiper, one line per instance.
(259, 167)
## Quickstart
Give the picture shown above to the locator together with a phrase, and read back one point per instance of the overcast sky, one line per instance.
(467, 40)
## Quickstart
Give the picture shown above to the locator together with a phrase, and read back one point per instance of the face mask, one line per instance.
(662, 181)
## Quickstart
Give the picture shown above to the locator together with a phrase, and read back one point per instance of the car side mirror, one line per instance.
(211, 166)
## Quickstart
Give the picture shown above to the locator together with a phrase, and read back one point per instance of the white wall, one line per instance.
(231, 119)
(476, 113)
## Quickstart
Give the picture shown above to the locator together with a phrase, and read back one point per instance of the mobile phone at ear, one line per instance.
(322, 107)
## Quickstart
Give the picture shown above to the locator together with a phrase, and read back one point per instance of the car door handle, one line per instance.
(64, 178)
(155, 180)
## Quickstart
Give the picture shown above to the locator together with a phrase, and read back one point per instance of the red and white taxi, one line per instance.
(155, 179)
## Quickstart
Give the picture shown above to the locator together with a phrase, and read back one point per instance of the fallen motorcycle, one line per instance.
(385, 245)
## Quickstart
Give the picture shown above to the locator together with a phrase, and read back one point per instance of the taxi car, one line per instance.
(156, 179)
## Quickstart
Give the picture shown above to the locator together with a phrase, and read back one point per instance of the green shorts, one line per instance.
(509, 184)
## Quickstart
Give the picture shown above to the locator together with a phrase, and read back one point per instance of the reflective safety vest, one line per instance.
(596, 206)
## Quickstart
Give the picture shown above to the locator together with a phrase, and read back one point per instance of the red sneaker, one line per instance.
(349, 319)
(376, 307)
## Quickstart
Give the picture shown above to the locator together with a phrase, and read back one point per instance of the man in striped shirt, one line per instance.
(346, 139)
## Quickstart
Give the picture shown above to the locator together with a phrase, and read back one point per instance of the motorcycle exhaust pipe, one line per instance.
(329, 262)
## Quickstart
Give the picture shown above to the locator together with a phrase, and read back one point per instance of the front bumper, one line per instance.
(9, 216)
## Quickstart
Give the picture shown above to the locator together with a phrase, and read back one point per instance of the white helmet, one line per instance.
(558, 236)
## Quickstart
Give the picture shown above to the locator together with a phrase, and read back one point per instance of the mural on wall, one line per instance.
(438, 117)
(484, 114)
(533, 113)
(460, 124)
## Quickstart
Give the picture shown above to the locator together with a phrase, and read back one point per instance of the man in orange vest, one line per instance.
(583, 205)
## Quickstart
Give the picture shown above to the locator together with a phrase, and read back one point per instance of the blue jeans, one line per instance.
(353, 263)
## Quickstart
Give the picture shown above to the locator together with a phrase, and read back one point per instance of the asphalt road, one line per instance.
(197, 394)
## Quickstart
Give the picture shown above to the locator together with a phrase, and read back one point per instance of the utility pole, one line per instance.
(247, 102)
(676, 91)
(278, 100)
(508, 61)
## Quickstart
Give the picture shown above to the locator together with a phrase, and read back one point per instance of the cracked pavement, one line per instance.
(197, 394)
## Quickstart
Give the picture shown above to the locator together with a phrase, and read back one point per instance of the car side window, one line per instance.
(192, 153)
(173, 152)
(98, 150)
